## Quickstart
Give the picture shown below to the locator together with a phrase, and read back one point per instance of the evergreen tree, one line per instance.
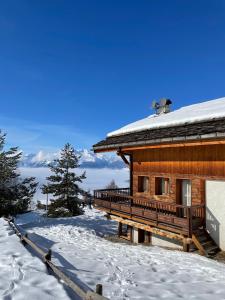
(112, 185)
(15, 193)
(63, 184)
(24, 191)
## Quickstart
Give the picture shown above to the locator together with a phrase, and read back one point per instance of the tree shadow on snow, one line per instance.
(99, 224)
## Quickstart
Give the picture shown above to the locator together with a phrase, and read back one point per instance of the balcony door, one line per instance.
(183, 196)
(186, 192)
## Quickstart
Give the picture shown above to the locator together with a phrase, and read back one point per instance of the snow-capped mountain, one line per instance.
(88, 159)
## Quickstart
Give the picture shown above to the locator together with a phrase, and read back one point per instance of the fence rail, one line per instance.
(87, 294)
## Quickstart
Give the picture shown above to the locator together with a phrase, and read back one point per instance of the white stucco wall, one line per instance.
(135, 235)
(164, 242)
(215, 211)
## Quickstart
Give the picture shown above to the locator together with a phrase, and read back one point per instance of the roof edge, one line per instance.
(186, 123)
(189, 139)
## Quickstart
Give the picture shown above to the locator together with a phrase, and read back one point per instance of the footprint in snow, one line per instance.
(8, 292)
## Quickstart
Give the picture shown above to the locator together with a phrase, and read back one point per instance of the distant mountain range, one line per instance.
(88, 159)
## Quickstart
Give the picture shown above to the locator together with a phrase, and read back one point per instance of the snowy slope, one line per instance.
(189, 114)
(126, 271)
(23, 276)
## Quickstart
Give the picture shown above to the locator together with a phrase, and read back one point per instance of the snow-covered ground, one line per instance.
(126, 271)
(23, 276)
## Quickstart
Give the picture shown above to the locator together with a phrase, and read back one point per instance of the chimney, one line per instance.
(163, 107)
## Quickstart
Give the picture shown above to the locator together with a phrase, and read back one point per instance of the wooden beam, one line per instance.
(105, 150)
(181, 144)
(198, 245)
(122, 155)
(164, 145)
(148, 228)
(141, 221)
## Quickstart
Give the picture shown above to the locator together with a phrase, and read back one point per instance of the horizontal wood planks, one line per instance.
(158, 218)
(197, 190)
(202, 160)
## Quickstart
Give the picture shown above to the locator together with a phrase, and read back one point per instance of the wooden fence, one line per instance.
(87, 294)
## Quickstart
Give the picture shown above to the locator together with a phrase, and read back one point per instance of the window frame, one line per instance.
(143, 186)
(162, 186)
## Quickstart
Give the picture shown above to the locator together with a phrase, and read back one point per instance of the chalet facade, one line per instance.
(177, 178)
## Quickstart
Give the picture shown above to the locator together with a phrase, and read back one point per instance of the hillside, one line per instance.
(126, 271)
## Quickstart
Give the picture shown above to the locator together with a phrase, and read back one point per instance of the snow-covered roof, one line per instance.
(204, 111)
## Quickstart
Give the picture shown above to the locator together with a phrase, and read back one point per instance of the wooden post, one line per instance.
(131, 234)
(156, 214)
(119, 229)
(48, 255)
(186, 246)
(147, 237)
(99, 289)
(190, 234)
(189, 221)
(131, 175)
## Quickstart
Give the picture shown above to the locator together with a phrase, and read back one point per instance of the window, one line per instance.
(143, 184)
(162, 186)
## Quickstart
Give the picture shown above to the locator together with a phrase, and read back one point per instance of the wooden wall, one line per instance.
(207, 161)
(197, 163)
(197, 190)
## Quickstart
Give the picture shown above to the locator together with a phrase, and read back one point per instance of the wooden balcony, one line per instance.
(169, 216)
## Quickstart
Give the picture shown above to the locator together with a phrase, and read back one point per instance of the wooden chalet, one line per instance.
(177, 177)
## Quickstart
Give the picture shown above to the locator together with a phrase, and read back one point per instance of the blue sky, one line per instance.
(75, 70)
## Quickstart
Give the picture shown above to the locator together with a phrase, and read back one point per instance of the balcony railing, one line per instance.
(177, 218)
